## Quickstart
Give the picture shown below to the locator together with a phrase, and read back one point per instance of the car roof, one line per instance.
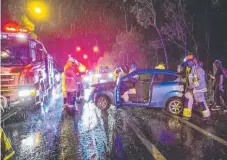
(151, 71)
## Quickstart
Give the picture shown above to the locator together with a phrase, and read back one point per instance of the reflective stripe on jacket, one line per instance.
(197, 79)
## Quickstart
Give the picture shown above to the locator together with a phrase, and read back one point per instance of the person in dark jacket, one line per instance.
(219, 86)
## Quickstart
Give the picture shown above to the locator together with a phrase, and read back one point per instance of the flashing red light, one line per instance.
(10, 29)
(23, 30)
(82, 68)
(78, 49)
(13, 27)
(85, 56)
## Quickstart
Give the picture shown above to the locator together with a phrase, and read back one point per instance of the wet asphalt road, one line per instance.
(50, 132)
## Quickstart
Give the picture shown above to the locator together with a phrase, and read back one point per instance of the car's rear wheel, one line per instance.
(174, 106)
(103, 102)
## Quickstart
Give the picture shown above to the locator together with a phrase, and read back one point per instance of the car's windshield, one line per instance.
(104, 69)
(14, 53)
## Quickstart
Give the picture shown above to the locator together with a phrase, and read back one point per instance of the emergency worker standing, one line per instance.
(6, 148)
(70, 81)
(196, 88)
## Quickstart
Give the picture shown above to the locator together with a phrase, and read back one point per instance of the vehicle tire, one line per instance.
(174, 106)
(102, 102)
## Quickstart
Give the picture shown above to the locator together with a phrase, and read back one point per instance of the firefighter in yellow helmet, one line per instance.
(70, 81)
(6, 148)
(160, 66)
(196, 88)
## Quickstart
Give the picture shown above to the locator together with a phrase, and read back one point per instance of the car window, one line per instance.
(140, 77)
(162, 77)
(145, 77)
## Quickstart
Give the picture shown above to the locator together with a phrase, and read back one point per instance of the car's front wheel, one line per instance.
(103, 102)
(174, 106)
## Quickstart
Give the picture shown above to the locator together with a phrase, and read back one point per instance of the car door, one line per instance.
(165, 86)
(141, 84)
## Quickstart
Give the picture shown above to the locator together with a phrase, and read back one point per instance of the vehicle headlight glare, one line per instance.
(98, 75)
(86, 79)
(110, 75)
(25, 93)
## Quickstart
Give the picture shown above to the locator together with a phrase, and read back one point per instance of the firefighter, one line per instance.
(6, 148)
(70, 81)
(195, 91)
(160, 66)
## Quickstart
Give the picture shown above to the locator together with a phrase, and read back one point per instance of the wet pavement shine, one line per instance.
(52, 132)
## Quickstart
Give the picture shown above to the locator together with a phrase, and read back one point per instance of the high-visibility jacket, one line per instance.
(197, 80)
(63, 84)
(6, 148)
(71, 78)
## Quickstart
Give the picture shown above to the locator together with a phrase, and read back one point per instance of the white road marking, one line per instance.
(151, 148)
(208, 134)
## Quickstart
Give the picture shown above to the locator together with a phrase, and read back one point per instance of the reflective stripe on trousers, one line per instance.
(198, 97)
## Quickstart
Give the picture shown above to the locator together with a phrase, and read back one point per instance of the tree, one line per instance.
(146, 15)
(179, 26)
(129, 48)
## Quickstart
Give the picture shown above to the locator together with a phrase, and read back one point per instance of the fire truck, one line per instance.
(27, 73)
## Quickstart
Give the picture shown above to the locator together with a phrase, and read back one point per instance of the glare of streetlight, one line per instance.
(38, 10)
(85, 56)
(96, 49)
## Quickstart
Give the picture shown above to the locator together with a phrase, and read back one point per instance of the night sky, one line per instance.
(98, 22)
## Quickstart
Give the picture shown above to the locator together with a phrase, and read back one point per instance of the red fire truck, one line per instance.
(27, 73)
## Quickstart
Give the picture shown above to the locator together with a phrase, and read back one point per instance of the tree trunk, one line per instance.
(163, 46)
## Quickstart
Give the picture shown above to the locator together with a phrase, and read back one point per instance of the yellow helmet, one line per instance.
(160, 66)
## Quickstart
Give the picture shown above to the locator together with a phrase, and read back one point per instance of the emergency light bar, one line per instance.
(14, 27)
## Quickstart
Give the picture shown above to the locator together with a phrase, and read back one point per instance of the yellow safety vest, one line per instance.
(63, 84)
(6, 148)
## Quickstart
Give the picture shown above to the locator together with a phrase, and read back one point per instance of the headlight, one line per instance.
(27, 92)
(110, 75)
(98, 75)
(86, 79)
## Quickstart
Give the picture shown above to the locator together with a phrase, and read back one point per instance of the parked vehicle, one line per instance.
(104, 74)
(26, 70)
